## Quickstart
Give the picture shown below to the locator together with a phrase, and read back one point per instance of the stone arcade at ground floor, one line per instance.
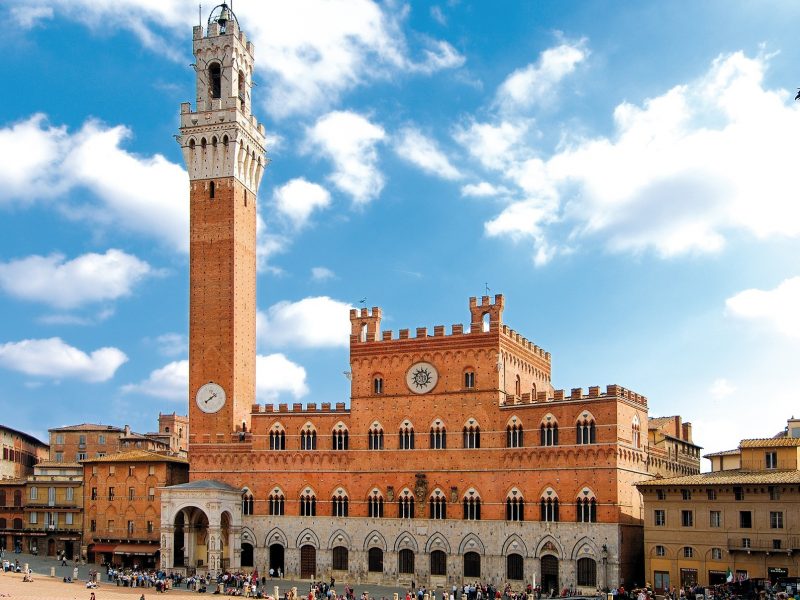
(203, 529)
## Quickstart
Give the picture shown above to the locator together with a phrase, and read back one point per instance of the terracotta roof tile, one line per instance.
(20, 481)
(87, 427)
(136, 456)
(769, 442)
(723, 453)
(732, 477)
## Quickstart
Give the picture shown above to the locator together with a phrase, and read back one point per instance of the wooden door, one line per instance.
(308, 562)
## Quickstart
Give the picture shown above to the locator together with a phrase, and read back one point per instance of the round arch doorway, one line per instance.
(190, 541)
(276, 559)
(549, 574)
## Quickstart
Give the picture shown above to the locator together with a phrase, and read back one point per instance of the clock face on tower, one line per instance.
(422, 377)
(210, 397)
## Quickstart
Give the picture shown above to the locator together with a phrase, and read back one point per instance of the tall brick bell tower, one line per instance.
(223, 147)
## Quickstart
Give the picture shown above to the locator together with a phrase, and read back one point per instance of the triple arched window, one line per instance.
(586, 509)
(339, 504)
(548, 507)
(375, 504)
(472, 434)
(405, 505)
(375, 437)
(276, 502)
(472, 506)
(515, 506)
(406, 436)
(548, 431)
(308, 503)
(277, 438)
(308, 437)
(438, 505)
(514, 434)
(248, 503)
(585, 430)
(438, 435)
(340, 437)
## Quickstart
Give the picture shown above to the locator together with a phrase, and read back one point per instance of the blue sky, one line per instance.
(624, 172)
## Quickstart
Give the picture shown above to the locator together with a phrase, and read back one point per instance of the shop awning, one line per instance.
(103, 547)
(136, 549)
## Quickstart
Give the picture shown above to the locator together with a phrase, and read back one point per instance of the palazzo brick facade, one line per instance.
(455, 458)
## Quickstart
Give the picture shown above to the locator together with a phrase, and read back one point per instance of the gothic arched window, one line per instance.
(215, 79)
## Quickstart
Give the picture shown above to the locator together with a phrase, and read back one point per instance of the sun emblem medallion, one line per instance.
(422, 377)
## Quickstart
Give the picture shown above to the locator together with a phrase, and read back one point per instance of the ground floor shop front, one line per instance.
(717, 568)
(132, 554)
(42, 543)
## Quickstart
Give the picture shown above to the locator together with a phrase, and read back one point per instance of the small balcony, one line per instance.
(773, 544)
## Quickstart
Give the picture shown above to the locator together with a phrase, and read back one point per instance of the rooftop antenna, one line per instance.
(486, 285)
(200, 15)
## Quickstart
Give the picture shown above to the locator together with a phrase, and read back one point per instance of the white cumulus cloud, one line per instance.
(322, 274)
(536, 83)
(66, 284)
(307, 62)
(314, 322)
(721, 389)
(276, 374)
(778, 308)
(172, 344)
(170, 382)
(146, 195)
(349, 140)
(54, 359)
(682, 173)
(411, 145)
(484, 189)
(495, 145)
(34, 172)
(298, 198)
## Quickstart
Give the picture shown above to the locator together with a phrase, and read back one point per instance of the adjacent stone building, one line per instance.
(122, 504)
(741, 518)
(671, 451)
(54, 509)
(12, 514)
(75, 443)
(455, 460)
(20, 452)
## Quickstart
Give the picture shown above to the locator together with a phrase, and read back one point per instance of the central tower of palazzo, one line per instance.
(223, 147)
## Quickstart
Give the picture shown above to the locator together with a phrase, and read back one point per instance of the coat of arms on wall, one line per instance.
(421, 487)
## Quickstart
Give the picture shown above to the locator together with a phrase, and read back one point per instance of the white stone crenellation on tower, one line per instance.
(221, 137)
